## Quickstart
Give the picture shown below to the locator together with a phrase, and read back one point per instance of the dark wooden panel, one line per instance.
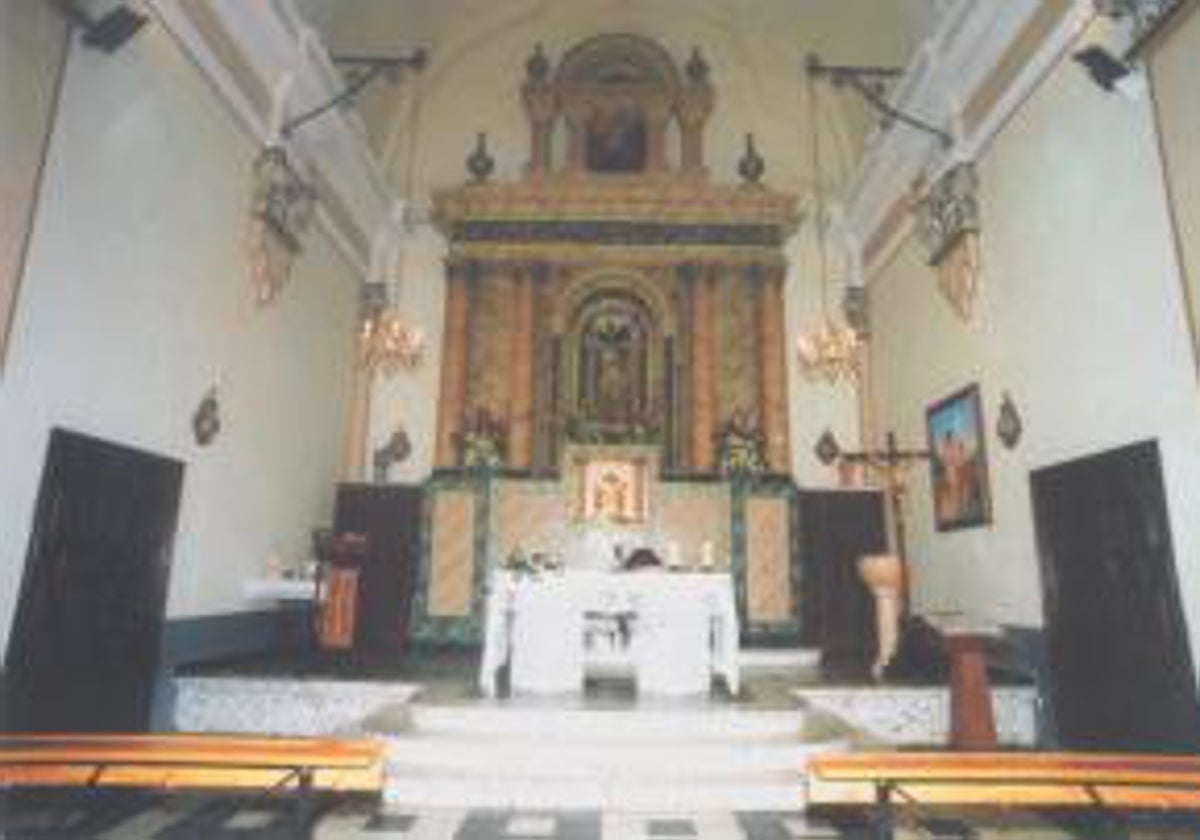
(1121, 674)
(84, 645)
(837, 612)
(389, 516)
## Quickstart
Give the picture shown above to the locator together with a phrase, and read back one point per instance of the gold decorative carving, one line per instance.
(958, 275)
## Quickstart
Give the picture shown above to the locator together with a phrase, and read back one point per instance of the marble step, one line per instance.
(766, 792)
(758, 660)
(564, 759)
(557, 723)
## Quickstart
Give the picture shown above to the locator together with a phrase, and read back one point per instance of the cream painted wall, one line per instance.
(1080, 317)
(137, 300)
(1174, 69)
(478, 50)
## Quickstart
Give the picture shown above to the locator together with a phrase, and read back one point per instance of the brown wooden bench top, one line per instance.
(1034, 779)
(188, 760)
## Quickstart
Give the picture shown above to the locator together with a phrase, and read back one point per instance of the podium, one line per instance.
(972, 721)
(337, 610)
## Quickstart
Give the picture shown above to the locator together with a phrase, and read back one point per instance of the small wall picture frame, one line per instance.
(958, 461)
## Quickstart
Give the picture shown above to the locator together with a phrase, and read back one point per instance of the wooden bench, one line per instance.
(1104, 783)
(184, 761)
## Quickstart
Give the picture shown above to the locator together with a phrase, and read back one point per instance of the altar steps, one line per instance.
(529, 756)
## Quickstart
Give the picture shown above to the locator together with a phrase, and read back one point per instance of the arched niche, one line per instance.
(614, 329)
(619, 98)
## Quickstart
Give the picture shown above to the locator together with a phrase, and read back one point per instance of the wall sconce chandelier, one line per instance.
(833, 351)
(387, 342)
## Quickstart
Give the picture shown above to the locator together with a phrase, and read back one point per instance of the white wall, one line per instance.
(137, 299)
(1080, 317)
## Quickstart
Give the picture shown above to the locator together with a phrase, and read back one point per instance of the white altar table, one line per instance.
(681, 629)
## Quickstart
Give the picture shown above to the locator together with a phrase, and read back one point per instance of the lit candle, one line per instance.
(706, 555)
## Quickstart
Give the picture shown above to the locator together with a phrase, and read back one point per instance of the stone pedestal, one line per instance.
(883, 575)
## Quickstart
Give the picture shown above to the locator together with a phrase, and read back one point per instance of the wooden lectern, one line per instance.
(972, 721)
(338, 609)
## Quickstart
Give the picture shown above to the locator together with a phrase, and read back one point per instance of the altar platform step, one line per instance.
(517, 755)
(771, 660)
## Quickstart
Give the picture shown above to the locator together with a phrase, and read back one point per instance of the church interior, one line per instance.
(599, 419)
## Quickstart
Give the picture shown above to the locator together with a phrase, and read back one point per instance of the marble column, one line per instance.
(577, 120)
(539, 101)
(657, 117)
(454, 364)
(772, 368)
(520, 403)
(354, 456)
(703, 358)
(694, 112)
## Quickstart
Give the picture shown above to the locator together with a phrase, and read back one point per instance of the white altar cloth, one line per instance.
(536, 625)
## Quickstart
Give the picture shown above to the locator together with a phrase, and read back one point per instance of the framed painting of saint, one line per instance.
(958, 461)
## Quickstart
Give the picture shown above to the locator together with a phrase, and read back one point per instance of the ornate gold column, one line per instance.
(520, 404)
(703, 385)
(771, 366)
(454, 363)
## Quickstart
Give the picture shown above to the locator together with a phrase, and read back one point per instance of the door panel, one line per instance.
(83, 650)
(1120, 666)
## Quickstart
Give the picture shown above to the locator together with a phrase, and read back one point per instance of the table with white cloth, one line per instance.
(682, 629)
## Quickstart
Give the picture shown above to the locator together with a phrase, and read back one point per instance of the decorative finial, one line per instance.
(751, 166)
(697, 67)
(480, 164)
(537, 67)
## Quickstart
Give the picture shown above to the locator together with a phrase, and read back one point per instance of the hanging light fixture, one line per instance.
(388, 342)
(833, 351)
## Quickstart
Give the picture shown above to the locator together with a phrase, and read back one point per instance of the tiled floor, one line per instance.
(208, 818)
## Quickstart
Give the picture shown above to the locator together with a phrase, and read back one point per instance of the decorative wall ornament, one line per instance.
(1148, 17)
(948, 223)
(206, 419)
(395, 450)
(751, 166)
(480, 162)
(281, 211)
(1009, 426)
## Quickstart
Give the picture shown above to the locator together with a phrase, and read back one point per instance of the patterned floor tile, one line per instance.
(508, 825)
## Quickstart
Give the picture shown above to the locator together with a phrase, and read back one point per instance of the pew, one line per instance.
(194, 762)
(886, 784)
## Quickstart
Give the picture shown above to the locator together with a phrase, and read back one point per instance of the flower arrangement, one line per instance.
(532, 564)
(481, 447)
(742, 447)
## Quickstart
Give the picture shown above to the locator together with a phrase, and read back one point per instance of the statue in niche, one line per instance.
(616, 142)
(611, 371)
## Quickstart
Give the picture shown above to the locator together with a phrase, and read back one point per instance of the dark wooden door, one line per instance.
(389, 517)
(83, 650)
(837, 611)
(1121, 674)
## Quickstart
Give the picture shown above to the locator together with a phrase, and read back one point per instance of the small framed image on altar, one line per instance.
(613, 491)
